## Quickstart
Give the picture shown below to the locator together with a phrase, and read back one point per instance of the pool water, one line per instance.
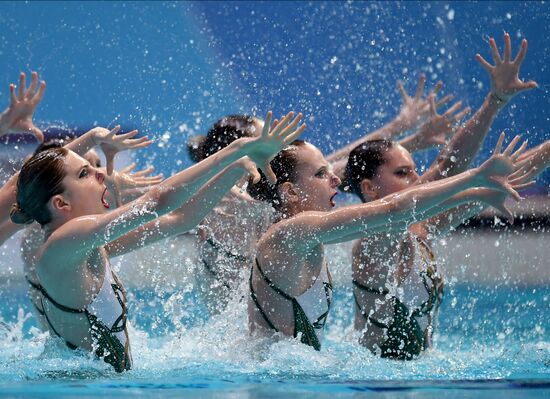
(491, 341)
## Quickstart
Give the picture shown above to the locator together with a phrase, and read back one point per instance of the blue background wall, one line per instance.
(172, 69)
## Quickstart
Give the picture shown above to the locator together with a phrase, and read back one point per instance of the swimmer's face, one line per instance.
(84, 192)
(396, 174)
(316, 184)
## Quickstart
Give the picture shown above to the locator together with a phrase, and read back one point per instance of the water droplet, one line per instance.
(451, 14)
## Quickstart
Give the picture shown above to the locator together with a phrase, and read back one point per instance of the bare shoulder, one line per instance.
(420, 229)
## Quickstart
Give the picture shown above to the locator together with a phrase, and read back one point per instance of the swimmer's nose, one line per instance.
(335, 180)
(100, 177)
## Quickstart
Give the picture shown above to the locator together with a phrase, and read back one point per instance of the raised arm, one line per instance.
(17, 118)
(415, 203)
(189, 215)
(466, 142)
(437, 129)
(534, 161)
(412, 113)
(538, 159)
(110, 142)
(79, 235)
(478, 199)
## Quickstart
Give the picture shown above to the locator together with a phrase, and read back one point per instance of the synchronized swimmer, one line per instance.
(260, 203)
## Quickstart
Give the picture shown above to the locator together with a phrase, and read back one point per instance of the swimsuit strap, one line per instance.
(429, 304)
(118, 290)
(366, 288)
(272, 285)
(215, 244)
(214, 274)
(218, 247)
(40, 311)
(302, 325)
(375, 322)
(257, 303)
(61, 307)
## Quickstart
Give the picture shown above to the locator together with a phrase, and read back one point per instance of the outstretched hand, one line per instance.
(18, 116)
(438, 128)
(273, 139)
(143, 178)
(112, 143)
(121, 182)
(417, 108)
(505, 81)
(504, 171)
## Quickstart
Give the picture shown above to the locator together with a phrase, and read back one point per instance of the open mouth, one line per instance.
(103, 200)
(332, 203)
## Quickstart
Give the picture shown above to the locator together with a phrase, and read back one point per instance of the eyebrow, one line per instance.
(327, 167)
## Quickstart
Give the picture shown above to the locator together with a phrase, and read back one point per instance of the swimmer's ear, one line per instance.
(288, 192)
(368, 190)
(58, 203)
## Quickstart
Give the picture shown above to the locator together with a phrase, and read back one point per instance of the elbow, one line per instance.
(153, 200)
(401, 207)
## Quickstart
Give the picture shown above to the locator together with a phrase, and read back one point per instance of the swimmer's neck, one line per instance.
(54, 224)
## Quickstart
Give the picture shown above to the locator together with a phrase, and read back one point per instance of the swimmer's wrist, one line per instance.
(497, 100)
(239, 146)
(478, 178)
(4, 123)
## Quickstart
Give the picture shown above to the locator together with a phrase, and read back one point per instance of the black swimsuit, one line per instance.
(405, 337)
(302, 324)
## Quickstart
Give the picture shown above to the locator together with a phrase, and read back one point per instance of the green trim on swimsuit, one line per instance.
(405, 338)
(108, 346)
(302, 324)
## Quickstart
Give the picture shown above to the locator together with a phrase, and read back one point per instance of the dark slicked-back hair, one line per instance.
(221, 134)
(39, 180)
(284, 165)
(363, 163)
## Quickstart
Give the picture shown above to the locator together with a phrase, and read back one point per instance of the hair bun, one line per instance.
(19, 216)
(195, 147)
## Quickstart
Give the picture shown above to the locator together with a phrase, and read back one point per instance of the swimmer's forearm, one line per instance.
(81, 145)
(460, 208)
(182, 219)
(410, 205)
(165, 197)
(177, 189)
(465, 143)
(207, 197)
(411, 143)
(391, 129)
(467, 196)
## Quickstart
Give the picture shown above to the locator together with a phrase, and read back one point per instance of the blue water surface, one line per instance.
(490, 342)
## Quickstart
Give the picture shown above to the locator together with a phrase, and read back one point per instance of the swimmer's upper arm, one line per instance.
(77, 237)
